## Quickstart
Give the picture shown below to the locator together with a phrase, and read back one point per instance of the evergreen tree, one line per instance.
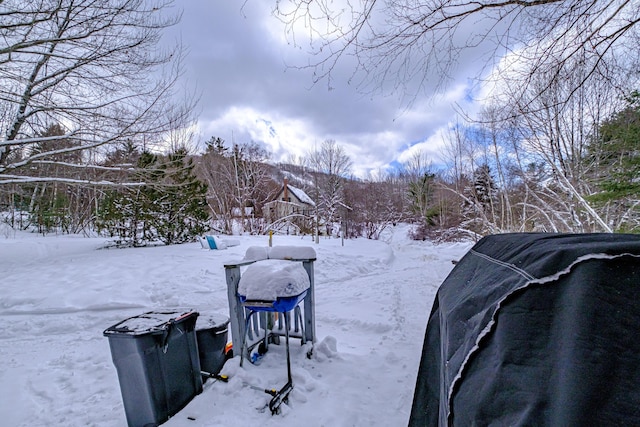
(179, 209)
(616, 156)
(484, 188)
(216, 145)
(421, 194)
(478, 209)
(171, 207)
(618, 152)
(127, 213)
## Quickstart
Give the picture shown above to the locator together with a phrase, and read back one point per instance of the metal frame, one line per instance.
(304, 323)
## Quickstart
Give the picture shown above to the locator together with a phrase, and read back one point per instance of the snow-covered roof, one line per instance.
(301, 195)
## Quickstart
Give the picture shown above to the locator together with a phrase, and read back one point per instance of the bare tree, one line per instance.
(330, 159)
(238, 178)
(556, 130)
(214, 168)
(333, 165)
(401, 44)
(374, 207)
(251, 178)
(536, 143)
(94, 69)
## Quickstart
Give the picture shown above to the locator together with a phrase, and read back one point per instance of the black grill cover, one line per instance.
(535, 330)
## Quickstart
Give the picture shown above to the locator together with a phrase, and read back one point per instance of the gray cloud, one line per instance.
(238, 63)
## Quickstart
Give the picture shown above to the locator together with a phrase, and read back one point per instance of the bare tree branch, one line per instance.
(92, 67)
(411, 45)
(17, 179)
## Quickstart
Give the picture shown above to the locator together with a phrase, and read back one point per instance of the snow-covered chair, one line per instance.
(216, 242)
(275, 280)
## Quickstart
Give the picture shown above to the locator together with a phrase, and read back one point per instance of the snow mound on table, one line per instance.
(269, 279)
(292, 252)
(259, 253)
(256, 253)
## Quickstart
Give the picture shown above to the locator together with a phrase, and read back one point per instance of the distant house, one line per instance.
(292, 210)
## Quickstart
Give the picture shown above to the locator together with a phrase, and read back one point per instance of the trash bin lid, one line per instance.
(149, 323)
(215, 321)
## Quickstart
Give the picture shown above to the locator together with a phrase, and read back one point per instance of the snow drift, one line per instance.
(59, 293)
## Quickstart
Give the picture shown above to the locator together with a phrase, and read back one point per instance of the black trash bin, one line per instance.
(212, 335)
(156, 357)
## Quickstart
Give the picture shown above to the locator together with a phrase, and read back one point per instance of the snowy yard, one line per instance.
(59, 293)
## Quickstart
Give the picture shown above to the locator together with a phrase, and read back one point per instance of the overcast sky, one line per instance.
(237, 62)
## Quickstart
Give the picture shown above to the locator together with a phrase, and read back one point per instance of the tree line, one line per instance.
(93, 139)
(554, 148)
(498, 176)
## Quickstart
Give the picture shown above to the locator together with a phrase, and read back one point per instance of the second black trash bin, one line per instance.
(212, 335)
(156, 357)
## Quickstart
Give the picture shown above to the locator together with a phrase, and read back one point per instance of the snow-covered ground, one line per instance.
(59, 293)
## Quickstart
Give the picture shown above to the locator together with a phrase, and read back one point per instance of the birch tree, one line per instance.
(251, 176)
(94, 68)
(333, 165)
(557, 133)
(213, 168)
(237, 177)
